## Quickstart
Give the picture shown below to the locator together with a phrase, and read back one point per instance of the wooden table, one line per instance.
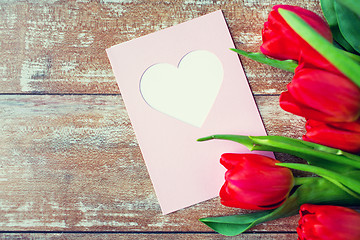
(70, 165)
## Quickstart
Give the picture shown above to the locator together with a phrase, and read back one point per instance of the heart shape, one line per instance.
(186, 92)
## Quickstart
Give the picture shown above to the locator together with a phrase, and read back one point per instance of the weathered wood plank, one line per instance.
(146, 236)
(72, 162)
(256, 236)
(59, 46)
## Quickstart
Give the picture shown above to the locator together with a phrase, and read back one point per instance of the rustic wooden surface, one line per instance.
(70, 165)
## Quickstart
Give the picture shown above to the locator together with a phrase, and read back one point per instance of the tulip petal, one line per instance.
(328, 222)
(334, 55)
(288, 103)
(345, 136)
(253, 181)
(318, 191)
(281, 42)
(337, 112)
(324, 96)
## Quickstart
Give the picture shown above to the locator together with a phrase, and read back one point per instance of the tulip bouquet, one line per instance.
(325, 90)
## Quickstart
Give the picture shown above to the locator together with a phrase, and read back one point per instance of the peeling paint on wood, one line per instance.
(59, 46)
(72, 162)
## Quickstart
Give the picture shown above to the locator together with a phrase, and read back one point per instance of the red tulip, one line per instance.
(324, 222)
(280, 41)
(344, 136)
(309, 59)
(254, 182)
(321, 95)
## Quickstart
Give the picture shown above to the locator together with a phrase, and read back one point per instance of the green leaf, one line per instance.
(287, 65)
(328, 9)
(244, 140)
(353, 5)
(339, 38)
(314, 191)
(339, 179)
(353, 56)
(349, 25)
(237, 224)
(340, 60)
(274, 140)
(315, 154)
(327, 6)
(234, 225)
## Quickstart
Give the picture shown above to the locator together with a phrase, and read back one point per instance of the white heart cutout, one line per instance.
(186, 92)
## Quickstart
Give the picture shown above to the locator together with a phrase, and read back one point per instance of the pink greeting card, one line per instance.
(180, 84)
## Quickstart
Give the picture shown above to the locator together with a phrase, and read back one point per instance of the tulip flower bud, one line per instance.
(326, 222)
(344, 136)
(280, 41)
(321, 95)
(254, 182)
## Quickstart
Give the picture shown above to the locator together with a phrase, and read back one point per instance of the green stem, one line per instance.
(301, 151)
(315, 154)
(303, 180)
(314, 191)
(353, 56)
(341, 180)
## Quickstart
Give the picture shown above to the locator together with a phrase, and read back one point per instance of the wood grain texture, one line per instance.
(73, 163)
(69, 159)
(59, 46)
(255, 236)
